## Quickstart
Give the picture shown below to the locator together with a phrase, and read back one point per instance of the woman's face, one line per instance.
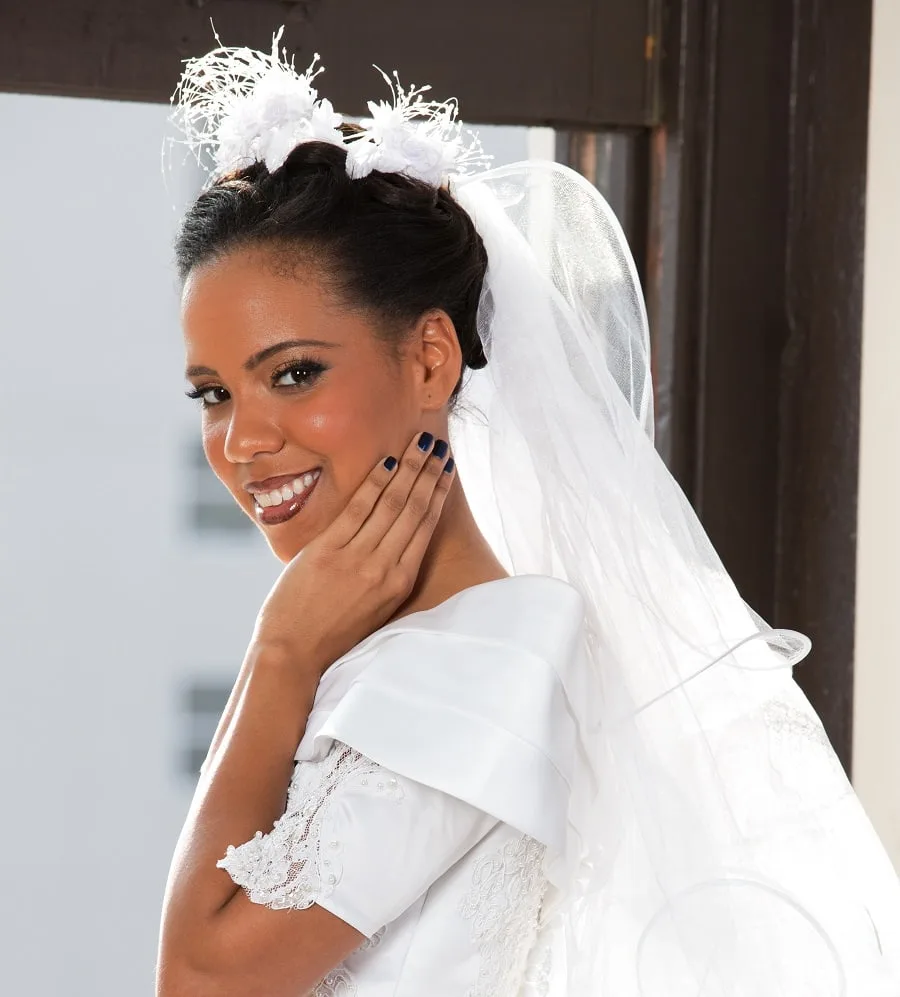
(296, 385)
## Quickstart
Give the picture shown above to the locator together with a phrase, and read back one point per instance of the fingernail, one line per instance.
(440, 449)
(448, 467)
(425, 441)
(390, 463)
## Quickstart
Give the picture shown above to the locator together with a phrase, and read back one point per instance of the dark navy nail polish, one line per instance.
(390, 463)
(440, 449)
(448, 467)
(425, 441)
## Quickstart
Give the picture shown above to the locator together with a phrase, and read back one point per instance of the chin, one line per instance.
(284, 553)
(283, 547)
(285, 542)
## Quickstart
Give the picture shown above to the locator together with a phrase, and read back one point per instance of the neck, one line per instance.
(457, 557)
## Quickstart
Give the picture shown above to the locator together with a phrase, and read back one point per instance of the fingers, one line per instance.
(411, 557)
(406, 500)
(348, 524)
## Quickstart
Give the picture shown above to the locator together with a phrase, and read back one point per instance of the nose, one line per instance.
(251, 431)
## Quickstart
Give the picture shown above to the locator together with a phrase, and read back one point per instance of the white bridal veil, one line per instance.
(716, 847)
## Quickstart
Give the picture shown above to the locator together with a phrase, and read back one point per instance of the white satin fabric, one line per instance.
(429, 802)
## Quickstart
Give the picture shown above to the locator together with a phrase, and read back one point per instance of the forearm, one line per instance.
(237, 690)
(242, 790)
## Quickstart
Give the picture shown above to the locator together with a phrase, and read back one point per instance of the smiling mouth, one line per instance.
(282, 504)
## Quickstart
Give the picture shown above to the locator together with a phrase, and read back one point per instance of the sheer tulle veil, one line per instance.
(716, 847)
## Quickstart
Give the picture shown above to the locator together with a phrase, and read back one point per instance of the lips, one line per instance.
(276, 514)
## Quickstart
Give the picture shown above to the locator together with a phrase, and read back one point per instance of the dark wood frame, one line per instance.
(581, 62)
(755, 292)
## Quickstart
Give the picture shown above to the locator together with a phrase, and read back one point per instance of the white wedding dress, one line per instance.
(430, 781)
(429, 806)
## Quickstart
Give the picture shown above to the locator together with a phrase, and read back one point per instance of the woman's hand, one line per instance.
(348, 582)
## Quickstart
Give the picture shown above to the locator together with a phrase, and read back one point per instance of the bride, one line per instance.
(504, 729)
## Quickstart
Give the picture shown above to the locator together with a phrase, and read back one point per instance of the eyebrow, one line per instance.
(251, 363)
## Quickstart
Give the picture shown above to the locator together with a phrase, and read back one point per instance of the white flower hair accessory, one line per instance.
(241, 106)
(420, 138)
(236, 106)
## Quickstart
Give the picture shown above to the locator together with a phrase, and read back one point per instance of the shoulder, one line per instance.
(535, 616)
(470, 698)
(537, 613)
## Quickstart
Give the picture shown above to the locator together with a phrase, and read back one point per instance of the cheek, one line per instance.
(340, 425)
(213, 437)
(324, 426)
(348, 430)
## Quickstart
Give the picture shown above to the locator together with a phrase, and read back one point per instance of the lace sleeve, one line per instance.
(292, 866)
(356, 838)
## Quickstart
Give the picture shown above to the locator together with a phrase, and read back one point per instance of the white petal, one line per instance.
(360, 158)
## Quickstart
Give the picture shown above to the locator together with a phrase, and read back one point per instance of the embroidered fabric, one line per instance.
(799, 750)
(538, 972)
(340, 982)
(292, 866)
(504, 905)
(786, 720)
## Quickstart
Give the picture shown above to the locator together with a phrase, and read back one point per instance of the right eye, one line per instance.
(201, 393)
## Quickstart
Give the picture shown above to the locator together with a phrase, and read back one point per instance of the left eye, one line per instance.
(305, 374)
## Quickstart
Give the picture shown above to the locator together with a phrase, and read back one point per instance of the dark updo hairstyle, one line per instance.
(387, 243)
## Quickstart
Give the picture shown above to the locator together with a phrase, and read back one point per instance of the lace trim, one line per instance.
(340, 982)
(536, 982)
(801, 756)
(291, 867)
(788, 720)
(504, 905)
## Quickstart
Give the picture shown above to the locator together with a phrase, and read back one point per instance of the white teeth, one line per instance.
(278, 495)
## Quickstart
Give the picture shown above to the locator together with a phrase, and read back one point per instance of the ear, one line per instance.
(438, 358)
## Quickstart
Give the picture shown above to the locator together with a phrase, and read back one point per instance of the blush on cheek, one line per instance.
(336, 430)
(345, 426)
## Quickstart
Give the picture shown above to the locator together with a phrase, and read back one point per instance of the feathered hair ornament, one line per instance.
(236, 106)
